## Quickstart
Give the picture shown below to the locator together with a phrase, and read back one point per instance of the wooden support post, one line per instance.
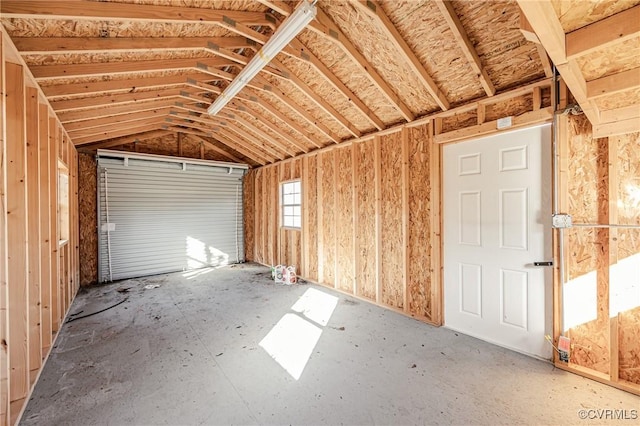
(33, 218)
(4, 308)
(265, 217)
(45, 229)
(275, 205)
(16, 193)
(335, 267)
(614, 367)
(404, 175)
(378, 207)
(355, 178)
(179, 144)
(53, 194)
(435, 176)
(201, 150)
(320, 219)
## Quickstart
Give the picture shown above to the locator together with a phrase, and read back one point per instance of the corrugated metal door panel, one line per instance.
(167, 218)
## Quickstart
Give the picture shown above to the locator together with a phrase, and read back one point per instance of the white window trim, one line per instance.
(283, 205)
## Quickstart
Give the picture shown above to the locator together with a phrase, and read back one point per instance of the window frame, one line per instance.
(284, 205)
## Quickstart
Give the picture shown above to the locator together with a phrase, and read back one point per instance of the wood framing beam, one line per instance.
(114, 120)
(602, 34)
(279, 6)
(238, 108)
(102, 111)
(130, 84)
(218, 130)
(109, 127)
(469, 51)
(125, 140)
(261, 133)
(375, 9)
(114, 99)
(127, 67)
(66, 9)
(215, 148)
(115, 133)
(329, 30)
(614, 83)
(318, 100)
(337, 84)
(86, 45)
(546, 25)
(240, 148)
(281, 117)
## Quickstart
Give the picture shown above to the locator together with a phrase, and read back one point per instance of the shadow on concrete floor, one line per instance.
(228, 346)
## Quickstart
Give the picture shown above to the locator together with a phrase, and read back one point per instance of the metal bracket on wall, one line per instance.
(561, 221)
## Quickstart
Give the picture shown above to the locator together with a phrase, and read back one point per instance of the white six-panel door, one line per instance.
(497, 213)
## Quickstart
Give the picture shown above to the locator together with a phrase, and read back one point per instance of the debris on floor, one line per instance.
(151, 286)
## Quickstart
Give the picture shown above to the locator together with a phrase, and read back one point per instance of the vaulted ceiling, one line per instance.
(125, 70)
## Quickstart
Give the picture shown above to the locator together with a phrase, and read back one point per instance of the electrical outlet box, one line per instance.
(561, 220)
(504, 122)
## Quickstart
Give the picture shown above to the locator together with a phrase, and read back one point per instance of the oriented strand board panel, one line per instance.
(628, 195)
(419, 248)
(259, 215)
(311, 207)
(391, 244)
(271, 178)
(296, 168)
(249, 212)
(366, 220)
(328, 225)
(574, 14)
(87, 176)
(629, 345)
(344, 220)
(588, 264)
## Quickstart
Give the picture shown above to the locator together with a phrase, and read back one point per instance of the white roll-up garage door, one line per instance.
(161, 214)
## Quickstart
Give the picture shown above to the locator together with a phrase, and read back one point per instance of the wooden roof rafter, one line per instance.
(74, 9)
(375, 10)
(469, 51)
(115, 120)
(123, 140)
(326, 28)
(258, 159)
(92, 45)
(114, 133)
(215, 148)
(101, 111)
(217, 126)
(137, 122)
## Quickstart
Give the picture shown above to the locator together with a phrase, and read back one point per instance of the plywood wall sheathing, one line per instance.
(327, 225)
(311, 210)
(88, 219)
(344, 214)
(419, 280)
(249, 211)
(391, 279)
(366, 214)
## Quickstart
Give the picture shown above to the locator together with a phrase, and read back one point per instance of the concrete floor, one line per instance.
(191, 351)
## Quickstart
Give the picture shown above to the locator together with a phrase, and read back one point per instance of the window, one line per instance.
(291, 200)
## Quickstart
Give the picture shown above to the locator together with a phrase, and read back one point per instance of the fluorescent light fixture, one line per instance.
(286, 32)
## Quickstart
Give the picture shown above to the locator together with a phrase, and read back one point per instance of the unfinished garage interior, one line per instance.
(452, 171)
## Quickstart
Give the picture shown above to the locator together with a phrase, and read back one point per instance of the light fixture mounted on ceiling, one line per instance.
(290, 28)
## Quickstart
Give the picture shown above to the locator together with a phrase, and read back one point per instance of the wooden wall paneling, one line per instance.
(33, 224)
(354, 208)
(344, 226)
(320, 172)
(16, 193)
(296, 236)
(420, 240)
(281, 234)
(45, 229)
(391, 216)
(249, 212)
(435, 172)
(404, 179)
(366, 219)
(258, 203)
(377, 165)
(265, 215)
(4, 308)
(328, 230)
(313, 210)
(54, 238)
(628, 248)
(88, 219)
